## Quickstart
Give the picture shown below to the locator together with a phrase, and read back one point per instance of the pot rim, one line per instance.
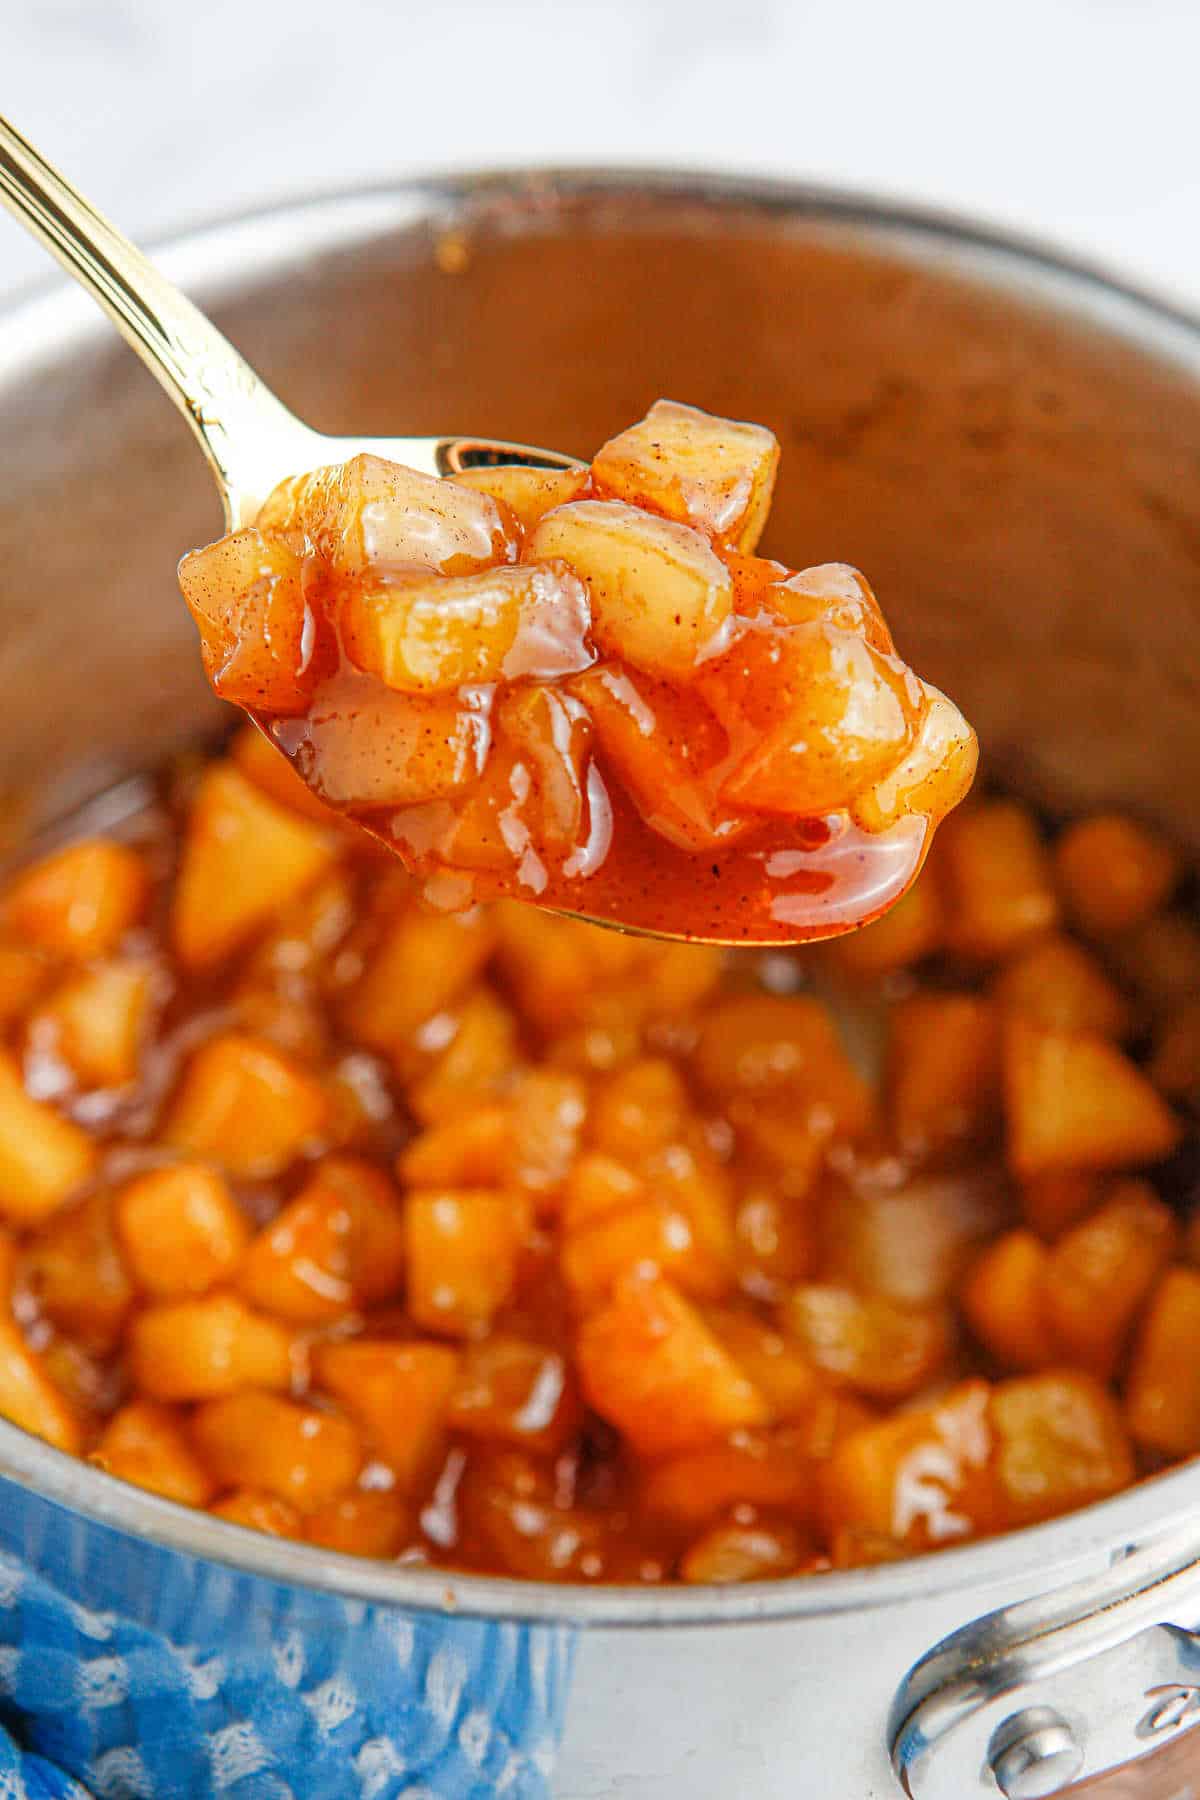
(47, 320)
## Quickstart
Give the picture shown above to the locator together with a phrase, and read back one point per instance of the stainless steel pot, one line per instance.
(1010, 445)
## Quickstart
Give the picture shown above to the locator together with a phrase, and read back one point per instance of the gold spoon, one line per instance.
(251, 440)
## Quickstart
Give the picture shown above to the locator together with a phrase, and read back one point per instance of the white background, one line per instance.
(1076, 119)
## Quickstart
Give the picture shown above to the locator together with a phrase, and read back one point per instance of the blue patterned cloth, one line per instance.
(131, 1672)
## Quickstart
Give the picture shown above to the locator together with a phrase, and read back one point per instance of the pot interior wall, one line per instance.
(1021, 485)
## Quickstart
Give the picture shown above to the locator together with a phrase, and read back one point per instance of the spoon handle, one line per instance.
(236, 418)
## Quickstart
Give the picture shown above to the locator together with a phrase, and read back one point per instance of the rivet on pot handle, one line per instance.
(1028, 1701)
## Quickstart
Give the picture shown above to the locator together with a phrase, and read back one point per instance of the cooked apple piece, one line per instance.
(244, 858)
(549, 732)
(462, 1257)
(42, 1156)
(263, 1441)
(73, 1271)
(1075, 1102)
(259, 758)
(918, 1480)
(650, 1232)
(479, 1063)
(94, 1022)
(527, 493)
(788, 1382)
(730, 1553)
(1004, 1301)
(910, 1238)
(996, 880)
(716, 474)
(468, 1150)
(78, 902)
(813, 718)
(1058, 984)
(246, 1107)
(772, 1470)
(549, 1107)
(650, 1365)
(512, 1390)
(831, 593)
(1101, 1273)
(369, 1522)
(662, 744)
(1162, 1393)
(369, 514)
(361, 748)
(424, 963)
(775, 1231)
(259, 1512)
(432, 634)
(932, 778)
(246, 594)
(907, 933)
(338, 1247)
(146, 1443)
(1060, 1444)
(30, 1398)
(199, 1349)
(943, 1071)
(397, 1394)
(783, 1051)
(659, 593)
(875, 1346)
(1113, 873)
(181, 1230)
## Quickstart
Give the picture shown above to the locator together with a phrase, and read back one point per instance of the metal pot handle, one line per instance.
(1037, 1697)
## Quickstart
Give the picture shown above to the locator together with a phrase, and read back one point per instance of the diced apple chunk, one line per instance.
(364, 746)
(1101, 1273)
(831, 593)
(42, 1156)
(661, 743)
(874, 1345)
(293, 1452)
(365, 1522)
(996, 880)
(1162, 1394)
(397, 1394)
(659, 593)
(181, 1230)
(336, 1248)
(716, 474)
(943, 1073)
(94, 1022)
(650, 1365)
(1075, 1102)
(433, 634)
(78, 902)
(1058, 984)
(73, 1270)
(145, 1443)
(1113, 873)
(462, 1257)
(527, 493)
(1060, 1443)
(246, 594)
(259, 1512)
(1004, 1300)
(262, 762)
(932, 778)
(245, 1106)
(28, 1396)
(198, 1349)
(813, 719)
(244, 858)
(421, 966)
(369, 514)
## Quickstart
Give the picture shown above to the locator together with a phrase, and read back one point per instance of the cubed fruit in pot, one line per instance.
(1073, 1101)
(659, 593)
(78, 902)
(717, 474)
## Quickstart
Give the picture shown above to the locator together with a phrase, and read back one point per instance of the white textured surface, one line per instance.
(1075, 119)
